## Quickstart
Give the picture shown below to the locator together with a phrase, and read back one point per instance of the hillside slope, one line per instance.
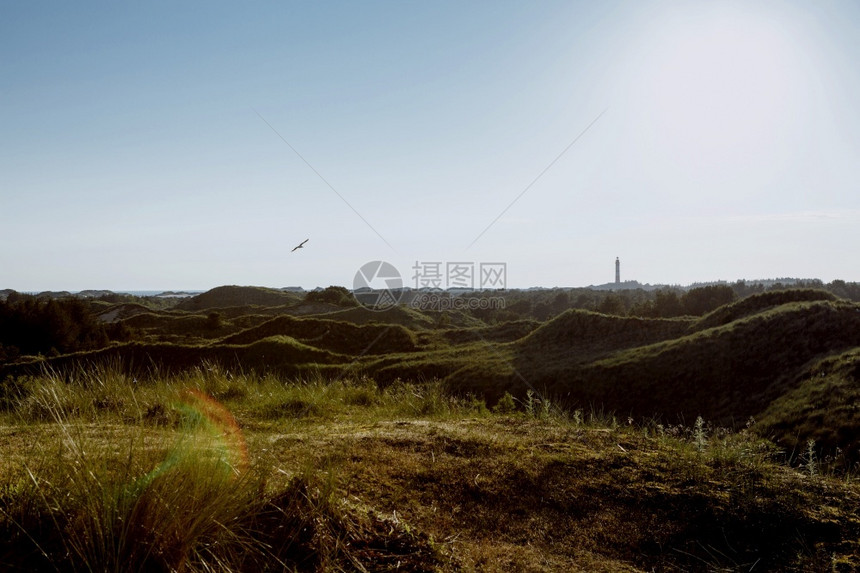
(823, 406)
(280, 355)
(759, 303)
(590, 334)
(227, 296)
(786, 358)
(725, 374)
(334, 335)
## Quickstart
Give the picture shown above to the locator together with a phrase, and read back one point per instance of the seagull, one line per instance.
(300, 245)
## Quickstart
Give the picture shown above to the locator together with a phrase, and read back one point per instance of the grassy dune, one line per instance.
(309, 437)
(591, 333)
(276, 354)
(505, 332)
(397, 315)
(756, 357)
(734, 370)
(333, 335)
(215, 470)
(236, 296)
(759, 303)
(725, 373)
(823, 405)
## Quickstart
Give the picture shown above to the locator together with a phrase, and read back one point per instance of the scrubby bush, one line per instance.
(336, 295)
(35, 326)
(505, 405)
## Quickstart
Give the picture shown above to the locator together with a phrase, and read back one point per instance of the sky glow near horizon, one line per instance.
(132, 155)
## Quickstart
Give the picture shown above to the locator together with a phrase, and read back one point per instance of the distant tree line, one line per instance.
(32, 326)
(666, 302)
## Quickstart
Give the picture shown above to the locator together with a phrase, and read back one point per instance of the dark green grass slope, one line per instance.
(197, 325)
(280, 355)
(671, 368)
(107, 312)
(487, 360)
(758, 303)
(725, 374)
(227, 296)
(411, 318)
(824, 406)
(591, 333)
(786, 358)
(336, 336)
(403, 316)
(504, 332)
(438, 363)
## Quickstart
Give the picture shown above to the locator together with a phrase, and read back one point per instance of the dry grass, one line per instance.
(319, 475)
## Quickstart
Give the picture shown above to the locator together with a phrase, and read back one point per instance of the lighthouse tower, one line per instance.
(617, 271)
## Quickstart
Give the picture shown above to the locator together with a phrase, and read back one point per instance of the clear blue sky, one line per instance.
(132, 155)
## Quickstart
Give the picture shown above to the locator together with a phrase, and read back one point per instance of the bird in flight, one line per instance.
(300, 245)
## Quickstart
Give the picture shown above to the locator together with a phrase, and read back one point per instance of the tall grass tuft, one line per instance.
(108, 497)
(153, 474)
(529, 404)
(182, 514)
(700, 437)
(810, 459)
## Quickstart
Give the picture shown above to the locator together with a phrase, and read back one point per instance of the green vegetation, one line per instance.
(695, 302)
(759, 303)
(333, 335)
(752, 357)
(725, 373)
(336, 295)
(312, 434)
(228, 296)
(32, 326)
(216, 470)
(822, 406)
(102, 473)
